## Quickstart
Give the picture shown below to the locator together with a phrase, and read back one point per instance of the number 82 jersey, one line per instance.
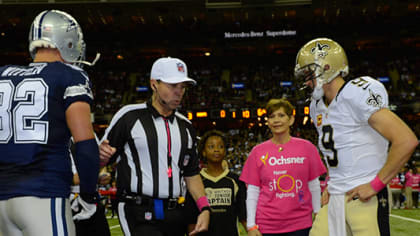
(353, 150)
(34, 137)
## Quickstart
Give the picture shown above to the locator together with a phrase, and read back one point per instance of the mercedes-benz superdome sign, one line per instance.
(259, 34)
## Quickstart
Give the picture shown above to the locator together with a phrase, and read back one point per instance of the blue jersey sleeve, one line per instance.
(77, 86)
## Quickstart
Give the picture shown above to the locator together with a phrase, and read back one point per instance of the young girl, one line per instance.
(282, 176)
(225, 192)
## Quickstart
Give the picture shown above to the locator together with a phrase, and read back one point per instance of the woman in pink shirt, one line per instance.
(395, 186)
(412, 180)
(282, 177)
(408, 186)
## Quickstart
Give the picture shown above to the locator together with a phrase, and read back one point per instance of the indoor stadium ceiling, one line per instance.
(208, 3)
(197, 26)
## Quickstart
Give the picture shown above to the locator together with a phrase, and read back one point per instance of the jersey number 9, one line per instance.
(328, 143)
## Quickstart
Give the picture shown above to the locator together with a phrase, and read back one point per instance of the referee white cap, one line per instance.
(170, 70)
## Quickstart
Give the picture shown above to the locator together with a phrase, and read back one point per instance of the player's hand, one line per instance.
(314, 216)
(105, 152)
(254, 232)
(325, 198)
(202, 224)
(86, 209)
(362, 192)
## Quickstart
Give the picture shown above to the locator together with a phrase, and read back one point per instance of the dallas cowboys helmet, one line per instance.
(57, 29)
(321, 59)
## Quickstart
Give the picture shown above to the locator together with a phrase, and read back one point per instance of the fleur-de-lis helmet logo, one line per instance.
(321, 49)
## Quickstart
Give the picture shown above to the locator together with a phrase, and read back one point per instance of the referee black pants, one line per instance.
(139, 220)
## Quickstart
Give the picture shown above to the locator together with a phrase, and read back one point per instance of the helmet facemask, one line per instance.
(312, 73)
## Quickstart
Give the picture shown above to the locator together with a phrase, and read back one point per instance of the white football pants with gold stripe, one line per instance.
(354, 218)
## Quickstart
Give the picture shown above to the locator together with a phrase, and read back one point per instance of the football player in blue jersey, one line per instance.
(41, 106)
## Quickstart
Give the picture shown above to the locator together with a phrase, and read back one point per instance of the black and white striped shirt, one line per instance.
(146, 142)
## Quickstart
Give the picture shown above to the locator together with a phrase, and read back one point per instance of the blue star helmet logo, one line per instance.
(72, 25)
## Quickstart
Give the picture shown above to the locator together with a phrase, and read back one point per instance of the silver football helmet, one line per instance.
(321, 59)
(57, 29)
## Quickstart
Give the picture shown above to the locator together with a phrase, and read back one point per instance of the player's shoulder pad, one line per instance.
(365, 92)
(369, 80)
(181, 116)
(75, 80)
(69, 75)
(76, 70)
(362, 87)
(2, 68)
(74, 67)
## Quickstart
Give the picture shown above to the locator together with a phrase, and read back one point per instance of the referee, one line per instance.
(155, 148)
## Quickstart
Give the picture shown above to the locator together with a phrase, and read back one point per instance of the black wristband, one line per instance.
(206, 208)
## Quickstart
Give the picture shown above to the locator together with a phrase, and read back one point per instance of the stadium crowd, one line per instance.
(227, 83)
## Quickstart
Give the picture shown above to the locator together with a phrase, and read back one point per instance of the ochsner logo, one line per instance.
(272, 161)
(264, 158)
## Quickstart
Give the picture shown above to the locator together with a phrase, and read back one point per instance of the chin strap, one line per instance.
(98, 55)
(318, 92)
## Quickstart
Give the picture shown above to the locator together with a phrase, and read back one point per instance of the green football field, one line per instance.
(403, 222)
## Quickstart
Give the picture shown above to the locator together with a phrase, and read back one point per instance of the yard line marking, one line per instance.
(405, 218)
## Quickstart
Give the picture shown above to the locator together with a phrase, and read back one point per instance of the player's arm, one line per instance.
(403, 142)
(325, 197)
(79, 121)
(86, 153)
(76, 179)
(402, 138)
(196, 188)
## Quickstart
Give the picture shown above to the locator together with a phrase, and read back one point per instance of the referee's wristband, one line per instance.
(202, 202)
(377, 184)
(253, 228)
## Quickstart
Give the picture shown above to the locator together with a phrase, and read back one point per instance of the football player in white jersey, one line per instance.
(355, 129)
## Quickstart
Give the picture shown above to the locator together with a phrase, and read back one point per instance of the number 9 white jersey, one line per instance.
(34, 137)
(354, 151)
